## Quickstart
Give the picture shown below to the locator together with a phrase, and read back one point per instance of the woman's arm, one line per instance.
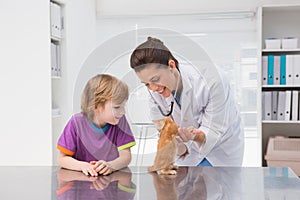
(68, 162)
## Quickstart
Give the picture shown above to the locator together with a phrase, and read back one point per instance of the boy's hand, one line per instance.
(88, 169)
(102, 167)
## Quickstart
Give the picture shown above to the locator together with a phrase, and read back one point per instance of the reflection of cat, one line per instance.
(189, 183)
(166, 148)
(165, 186)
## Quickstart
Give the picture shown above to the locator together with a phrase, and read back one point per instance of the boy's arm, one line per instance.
(68, 162)
(105, 168)
(122, 161)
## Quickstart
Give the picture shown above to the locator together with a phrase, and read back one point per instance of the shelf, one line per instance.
(61, 2)
(281, 86)
(55, 39)
(56, 116)
(280, 50)
(56, 77)
(280, 122)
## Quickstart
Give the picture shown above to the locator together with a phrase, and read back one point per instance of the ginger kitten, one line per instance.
(166, 148)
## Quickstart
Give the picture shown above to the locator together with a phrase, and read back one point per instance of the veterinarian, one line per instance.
(198, 99)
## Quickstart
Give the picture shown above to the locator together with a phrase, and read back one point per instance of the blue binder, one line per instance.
(270, 69)
(282, 69)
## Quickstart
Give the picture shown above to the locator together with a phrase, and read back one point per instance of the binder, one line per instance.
(282, 69)
(58, 56)
(55, 20)
(281, 105)
(270, 69)
(274, 105)
(267, 105)
(264, 70)
(53, 59)
(288, 99)
(296, 65)
(276, 78)
(298, 105)
(295, 105)
(289, 66)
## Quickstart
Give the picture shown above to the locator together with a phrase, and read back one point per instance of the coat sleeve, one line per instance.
(217, 115)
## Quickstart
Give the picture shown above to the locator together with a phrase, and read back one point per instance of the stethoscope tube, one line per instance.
(159, 108)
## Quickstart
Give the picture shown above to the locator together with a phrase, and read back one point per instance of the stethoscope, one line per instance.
(168, 113)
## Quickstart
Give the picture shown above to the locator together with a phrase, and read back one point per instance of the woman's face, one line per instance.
(160, 80)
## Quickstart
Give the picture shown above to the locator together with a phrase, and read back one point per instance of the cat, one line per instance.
(166, 148)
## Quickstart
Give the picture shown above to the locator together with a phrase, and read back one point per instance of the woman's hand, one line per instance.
(102, 167)
(187, 134)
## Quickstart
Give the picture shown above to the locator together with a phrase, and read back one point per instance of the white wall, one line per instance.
(27, 135)
(25, 103)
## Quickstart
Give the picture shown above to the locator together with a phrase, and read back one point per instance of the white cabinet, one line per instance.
(58, 71)
(56, 30)
(279, 73)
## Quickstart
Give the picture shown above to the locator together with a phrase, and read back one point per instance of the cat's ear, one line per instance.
(159, 123)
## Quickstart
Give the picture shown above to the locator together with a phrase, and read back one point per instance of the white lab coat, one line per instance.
(207, 103)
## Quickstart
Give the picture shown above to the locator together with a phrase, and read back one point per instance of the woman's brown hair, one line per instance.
(150, 52)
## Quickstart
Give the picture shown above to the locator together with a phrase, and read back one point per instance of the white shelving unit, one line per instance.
(58, 77)
(277, 21)
(56, 30)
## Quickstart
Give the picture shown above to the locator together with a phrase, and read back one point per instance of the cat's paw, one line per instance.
(151, 169)
(167, 172)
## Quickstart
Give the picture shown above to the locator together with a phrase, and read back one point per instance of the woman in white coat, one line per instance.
(199, 101)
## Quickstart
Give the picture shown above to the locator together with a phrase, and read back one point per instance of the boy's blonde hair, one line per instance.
(100, 89)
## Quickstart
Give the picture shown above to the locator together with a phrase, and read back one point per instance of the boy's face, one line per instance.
(111, 112)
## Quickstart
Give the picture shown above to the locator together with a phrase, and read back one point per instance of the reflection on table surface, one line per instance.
(135, 183)
(76, 185)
